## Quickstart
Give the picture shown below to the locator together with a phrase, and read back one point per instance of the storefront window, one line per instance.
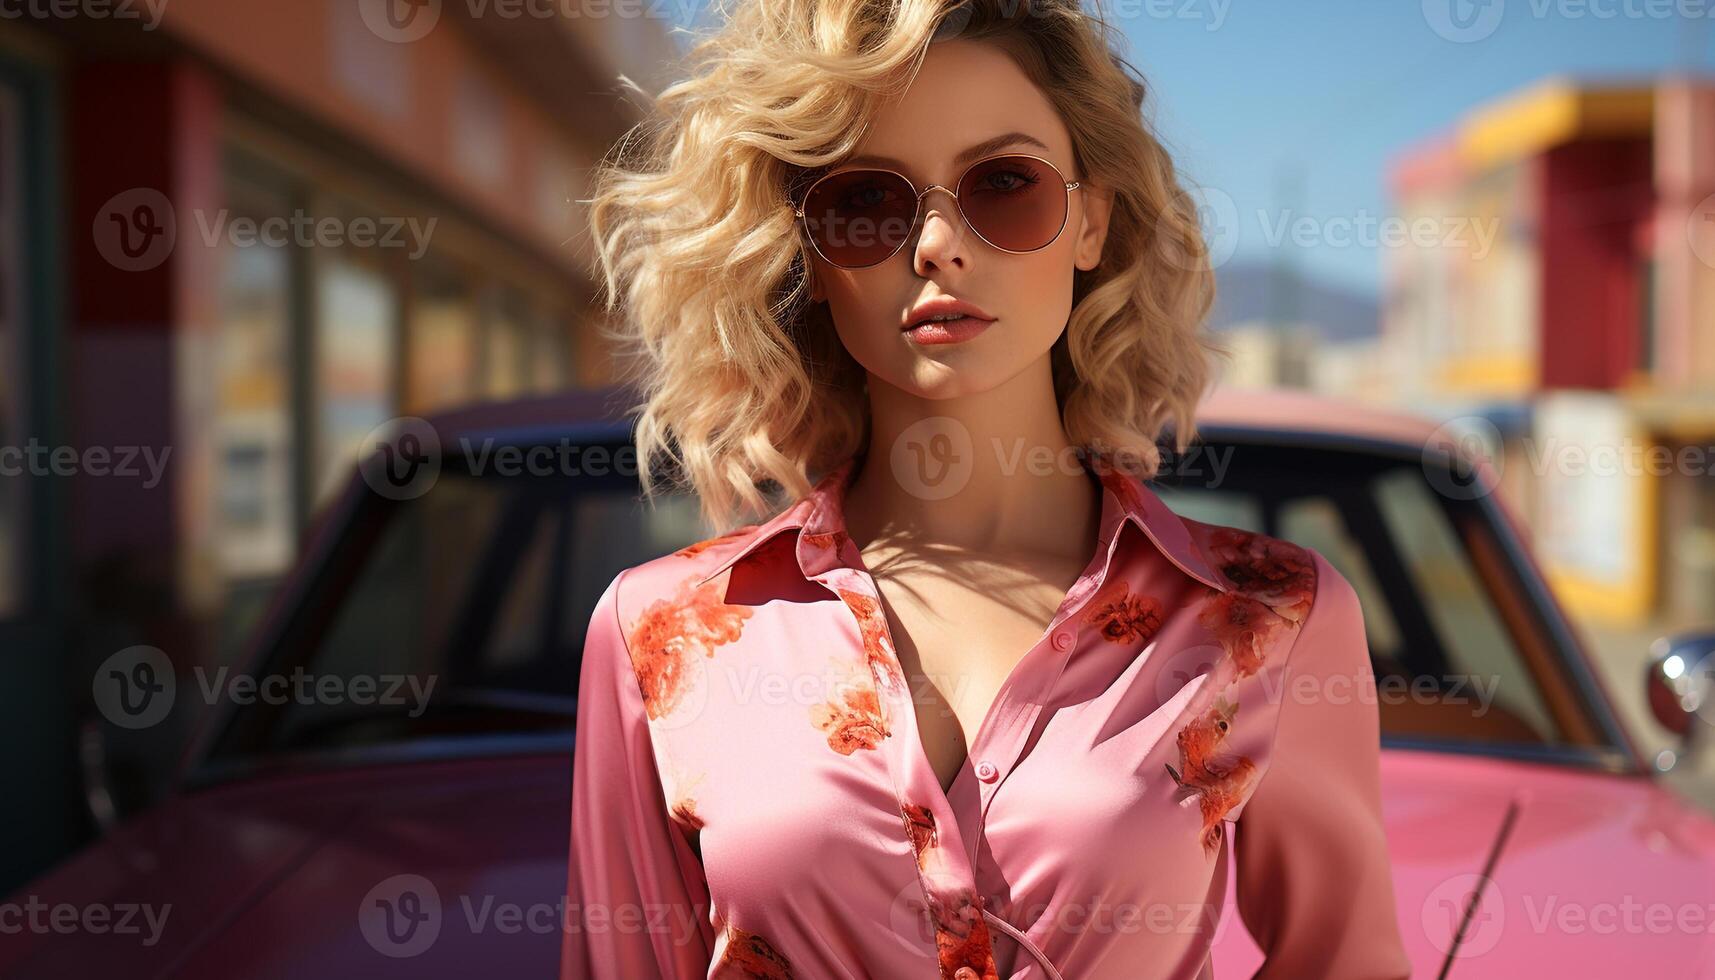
(253, 413)
(506, 346)
(551, 361)
(442, 349)
(357, 309)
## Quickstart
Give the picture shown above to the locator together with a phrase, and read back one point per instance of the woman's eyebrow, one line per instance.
(966, 155)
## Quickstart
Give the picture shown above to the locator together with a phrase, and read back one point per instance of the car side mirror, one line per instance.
(1680, 685)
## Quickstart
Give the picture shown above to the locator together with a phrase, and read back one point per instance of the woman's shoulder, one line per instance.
(1283, 575)
(684, 572)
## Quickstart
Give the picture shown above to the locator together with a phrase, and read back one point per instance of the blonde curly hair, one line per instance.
(744, 382)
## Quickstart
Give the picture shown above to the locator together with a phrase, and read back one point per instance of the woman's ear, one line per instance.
(1098, 203)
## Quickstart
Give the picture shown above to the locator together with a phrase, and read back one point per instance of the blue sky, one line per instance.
(1250, 90)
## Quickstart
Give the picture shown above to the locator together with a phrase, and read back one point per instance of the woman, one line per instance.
(974, 704)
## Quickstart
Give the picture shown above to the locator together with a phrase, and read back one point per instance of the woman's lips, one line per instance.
(947, 331)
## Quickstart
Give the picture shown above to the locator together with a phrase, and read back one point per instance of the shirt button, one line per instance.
(1062, 641)
(986, 771)
(964, 973)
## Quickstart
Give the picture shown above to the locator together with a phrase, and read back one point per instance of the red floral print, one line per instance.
(920, 827)
(1269, 570)
(962, 937)
(877, 648)
(1243, 627)
(697, 548)
(827, 540)
(1219, 783)
(852, 721)
(1123, 616)
(750, 955)
(673, 630)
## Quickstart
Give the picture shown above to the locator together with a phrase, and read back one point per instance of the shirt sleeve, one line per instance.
(1314, 881)
(636, 901)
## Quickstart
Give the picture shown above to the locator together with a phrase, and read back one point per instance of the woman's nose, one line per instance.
(941, 236)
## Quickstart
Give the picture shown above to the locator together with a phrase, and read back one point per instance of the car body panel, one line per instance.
(269, 872)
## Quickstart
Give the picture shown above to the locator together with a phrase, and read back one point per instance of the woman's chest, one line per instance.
(791, 755)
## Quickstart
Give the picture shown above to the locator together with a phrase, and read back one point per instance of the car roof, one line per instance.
(1296, 410)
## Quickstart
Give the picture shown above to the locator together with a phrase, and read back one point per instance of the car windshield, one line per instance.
(1463, 654)
(469, 604)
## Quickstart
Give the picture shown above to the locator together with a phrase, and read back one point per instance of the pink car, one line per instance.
(398, 806)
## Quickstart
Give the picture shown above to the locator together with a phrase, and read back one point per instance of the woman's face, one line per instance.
(966, 93)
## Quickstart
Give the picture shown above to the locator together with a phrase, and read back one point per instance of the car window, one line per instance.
(469, 604)
(1449, 666)
(1461, 611)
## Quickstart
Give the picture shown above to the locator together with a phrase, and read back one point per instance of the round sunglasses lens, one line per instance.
(859, 217)
(1017, 203)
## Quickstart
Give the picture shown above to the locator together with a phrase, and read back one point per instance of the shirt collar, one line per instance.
(822, 542)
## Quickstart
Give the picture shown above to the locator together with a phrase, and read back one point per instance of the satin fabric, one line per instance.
(751, 797)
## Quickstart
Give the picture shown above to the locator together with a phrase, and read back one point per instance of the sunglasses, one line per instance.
(858, 218)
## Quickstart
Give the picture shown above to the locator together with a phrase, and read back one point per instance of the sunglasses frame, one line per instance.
(917, 213)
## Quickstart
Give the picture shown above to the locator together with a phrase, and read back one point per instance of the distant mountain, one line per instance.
(1245, 292)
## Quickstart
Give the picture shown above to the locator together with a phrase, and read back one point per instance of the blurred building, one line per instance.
(235, 236)
(1569, 304)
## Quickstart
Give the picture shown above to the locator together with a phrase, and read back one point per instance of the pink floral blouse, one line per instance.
(751, 798)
